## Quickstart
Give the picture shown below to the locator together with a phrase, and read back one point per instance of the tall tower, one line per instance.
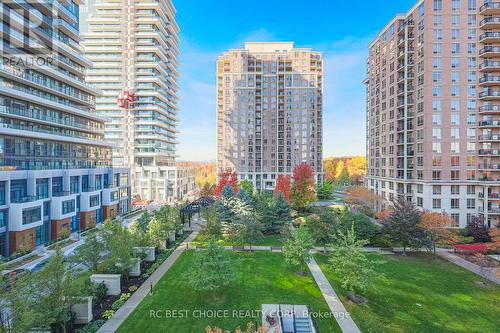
(55, 167)
(269, 111)
(134, 47)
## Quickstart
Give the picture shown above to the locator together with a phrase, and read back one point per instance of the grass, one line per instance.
(267, 240)
(422, 293)
(261, 278)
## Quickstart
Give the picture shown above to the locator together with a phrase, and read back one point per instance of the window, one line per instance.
(455, 76)
(455, 118)
(3, 219)
(455, 48)
(456, 219)
(436, 147)
(455, 4)
(438, 5)
(455, 161)
(68, 206)
(455, 203)
(455, 175)
(420, 202)
(471, 4)
(455, 133)
(94, 200)
(471, 189)
(436, 203)
(436, 189)
(436, 175)
(455, 189)
(438, 20)
(436, 133)
(32, 215)
(471, 203)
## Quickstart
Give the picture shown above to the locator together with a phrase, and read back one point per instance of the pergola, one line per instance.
(195, 207)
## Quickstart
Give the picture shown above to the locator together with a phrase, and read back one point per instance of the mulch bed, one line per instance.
(480, 259)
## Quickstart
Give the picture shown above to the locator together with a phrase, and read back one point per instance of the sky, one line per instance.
(341, 30)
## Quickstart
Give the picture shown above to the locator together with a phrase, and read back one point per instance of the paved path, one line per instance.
(119, 317)
(491, 274)
(347, 325)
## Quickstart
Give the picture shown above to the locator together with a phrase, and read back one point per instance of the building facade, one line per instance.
(133, 45)
(269, 111)
(432, 109)
(55, 168)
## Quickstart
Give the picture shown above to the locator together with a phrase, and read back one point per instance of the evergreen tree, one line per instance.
(403, 224)
(245, 197)
(227, 191)
(212, 269)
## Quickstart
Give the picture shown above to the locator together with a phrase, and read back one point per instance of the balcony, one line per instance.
(490, 37)
(489, 109)
(490, 8)
(491, 22)
(489, 137)
(489, 66)
(489, 94)
(489, 51)
(61, 193)
(489, 80)
(489, 152)
(493, 167)
(489, 123)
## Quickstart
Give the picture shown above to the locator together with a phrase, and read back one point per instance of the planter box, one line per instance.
(149, 252)
(112, 282)
(136, 268)
(163, 245)
(83, 311)
(172, 237)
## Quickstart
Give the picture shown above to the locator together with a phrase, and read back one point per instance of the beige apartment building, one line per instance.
(433, 109)
(269, 111)
(133, 45)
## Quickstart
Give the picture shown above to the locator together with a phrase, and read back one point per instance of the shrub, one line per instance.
(478, 229)
(99, 291)
(363, 227)
(471, 248)
(132, 288)
(91, 327)
(117, 304)
(108, 314)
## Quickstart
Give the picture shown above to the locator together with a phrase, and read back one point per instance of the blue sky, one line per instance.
(342, 30)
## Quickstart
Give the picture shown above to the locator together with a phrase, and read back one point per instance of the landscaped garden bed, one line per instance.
(422, 293)
(260, 278)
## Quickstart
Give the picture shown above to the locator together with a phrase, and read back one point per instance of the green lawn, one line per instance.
(423, 293)
(267, 240)
(261, 277)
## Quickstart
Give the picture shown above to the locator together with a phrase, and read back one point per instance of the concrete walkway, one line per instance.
(347, 325)
(492, 274)
(119, 317)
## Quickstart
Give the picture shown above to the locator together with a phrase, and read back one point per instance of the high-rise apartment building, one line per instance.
(55, 168)
(269, 111)
(133, 45)
(433, 111)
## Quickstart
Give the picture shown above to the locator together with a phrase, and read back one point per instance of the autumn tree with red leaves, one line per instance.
(284, 186)
(303, 188)
(227, 177)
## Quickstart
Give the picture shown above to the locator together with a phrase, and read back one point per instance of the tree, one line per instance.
(143, 221)
(321, 230)
(212, 228)
(245, 197)
(297, 247)
(248, 229)
(227, 192)
(246, 185)
(55, 292)
(90, 253)
(212, 269)
(349, 262)
(356, 168)
(226, 177)
(303, 188)
(207, 190)
(362, 199)
(280, 213)
(330, 167)
(325, 190)
(119, 244)
(283, 186)
(478, 229)
(403, 225)
(364, 228)
(341, 175)
(159, 231)
(495, 239)
(436, 227)
(139, 236)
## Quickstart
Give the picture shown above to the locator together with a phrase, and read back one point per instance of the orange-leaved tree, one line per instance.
(226, 177)
(284, 186)
(361, 198)
(436, 226)
(303, 187)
